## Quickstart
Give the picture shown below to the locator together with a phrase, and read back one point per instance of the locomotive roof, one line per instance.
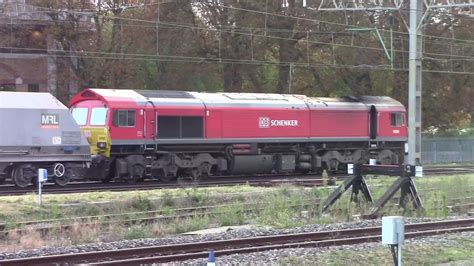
(210, 99)
(29, 100)
(249, 99)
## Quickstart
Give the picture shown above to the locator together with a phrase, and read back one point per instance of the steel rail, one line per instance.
(269, 180)
(82, 187)
(177, 252)
(178, 213)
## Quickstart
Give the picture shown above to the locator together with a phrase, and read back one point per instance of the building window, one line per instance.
(124, 118)
(7, 87)
(398, 119)
(33, 87)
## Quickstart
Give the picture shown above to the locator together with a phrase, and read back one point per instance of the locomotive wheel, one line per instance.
(62, 181)
(386, 160)
(205, 169)
(190, 176)
(61, 178)
(162, 176)
(166, 178)
(136, 172)
(19, 177)
(196, 174)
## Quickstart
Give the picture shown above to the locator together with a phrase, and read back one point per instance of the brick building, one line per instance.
(28, 48)
(24, 61)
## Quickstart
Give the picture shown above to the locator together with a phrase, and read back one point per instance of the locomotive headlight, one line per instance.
(101, 145)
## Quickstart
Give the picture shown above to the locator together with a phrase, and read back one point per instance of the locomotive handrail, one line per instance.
(14, 152)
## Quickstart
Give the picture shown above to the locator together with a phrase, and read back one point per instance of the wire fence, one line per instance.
(447, 150)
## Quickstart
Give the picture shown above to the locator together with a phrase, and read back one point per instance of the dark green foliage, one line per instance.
(260, 46)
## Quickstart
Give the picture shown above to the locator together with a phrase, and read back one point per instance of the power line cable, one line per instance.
(282, 38)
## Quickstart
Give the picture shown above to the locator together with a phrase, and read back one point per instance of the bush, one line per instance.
(191, 224)
(142, 204)
(231, 215)
(137, 231)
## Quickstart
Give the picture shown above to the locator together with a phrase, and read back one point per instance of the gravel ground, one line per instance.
(273, 257)
(241, 233)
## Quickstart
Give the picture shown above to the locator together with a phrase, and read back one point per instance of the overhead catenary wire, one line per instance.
(254, 11)
(189, 59)
(91, 11)
(251, 34)
(233, 30)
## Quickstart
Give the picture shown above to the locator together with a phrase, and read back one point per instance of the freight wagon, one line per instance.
(38, 131)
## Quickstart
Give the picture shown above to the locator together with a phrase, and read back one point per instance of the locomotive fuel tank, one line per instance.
(38, 131)
(252, 164)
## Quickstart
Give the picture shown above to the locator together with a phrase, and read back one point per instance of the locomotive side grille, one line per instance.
(180, 127)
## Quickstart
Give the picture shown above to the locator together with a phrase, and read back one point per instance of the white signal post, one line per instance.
(42, 177)
(393, 234)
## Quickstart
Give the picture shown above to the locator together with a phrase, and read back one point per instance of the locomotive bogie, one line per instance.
(61, 173)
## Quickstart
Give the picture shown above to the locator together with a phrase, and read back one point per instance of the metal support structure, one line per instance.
(378, 36)
(394, 250)
(358, 184)
(404, 183)
(407, 188)
(417, 15)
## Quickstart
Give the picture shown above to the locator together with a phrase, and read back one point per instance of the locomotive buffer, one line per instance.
(357, 182)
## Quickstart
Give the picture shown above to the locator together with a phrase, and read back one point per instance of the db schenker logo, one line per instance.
(266, 122)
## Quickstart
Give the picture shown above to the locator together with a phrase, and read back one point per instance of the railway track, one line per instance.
(185, 251)
(82, 187)
(164, 216)
(305, 180)
(450, 169)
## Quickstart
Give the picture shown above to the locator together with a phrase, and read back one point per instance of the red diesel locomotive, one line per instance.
(167, 134)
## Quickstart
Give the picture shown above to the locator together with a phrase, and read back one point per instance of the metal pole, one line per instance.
(414, 84)
(399, 256)
(40, 195)
(290, 83)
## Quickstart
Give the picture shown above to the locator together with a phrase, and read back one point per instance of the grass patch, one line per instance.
(413, 254)
(280, 207)
(191, 224)
(142, 204)
(231, 215)
(137, 231)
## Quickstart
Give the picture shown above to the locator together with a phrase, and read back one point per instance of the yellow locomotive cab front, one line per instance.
(99, 140)
(92, 120)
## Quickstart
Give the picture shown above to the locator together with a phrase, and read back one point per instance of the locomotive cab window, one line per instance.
(176, 127)
(80, 115)
(397, 119)
(98, 116)
(124, 118)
